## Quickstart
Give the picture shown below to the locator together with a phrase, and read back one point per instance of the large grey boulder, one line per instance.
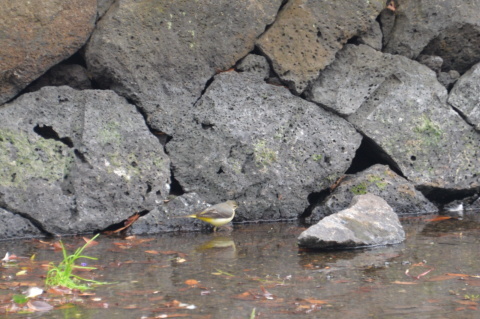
(160, 54)
(37, 35)
(76, 161)
(449, 29)
(307, 34)
(352, 78)
(368, 221)
(379, 180)
(465, 96)
(400, 105)
(260, 145)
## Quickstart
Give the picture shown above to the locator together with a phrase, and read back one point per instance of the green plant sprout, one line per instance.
(62, 275)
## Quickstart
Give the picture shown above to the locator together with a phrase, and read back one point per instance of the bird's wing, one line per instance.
(213, 213)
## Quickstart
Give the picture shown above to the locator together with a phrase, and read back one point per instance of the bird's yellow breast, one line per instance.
(216, 221)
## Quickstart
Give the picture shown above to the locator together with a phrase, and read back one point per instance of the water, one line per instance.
(259, 271)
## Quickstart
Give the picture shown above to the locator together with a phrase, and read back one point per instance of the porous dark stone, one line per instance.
(260, 145)
(76, 161)
(352, 78)
(448, 79)
(161, 54)
(465, 96)
(368, 221)
(307, 34)
(372, 37)
(15, 226)
(432, 61)
(400, 105)
(255, 64)
(449, 29)
(379, 180)
(40, 34)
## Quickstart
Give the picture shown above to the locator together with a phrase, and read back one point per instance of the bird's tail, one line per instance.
(186, 216)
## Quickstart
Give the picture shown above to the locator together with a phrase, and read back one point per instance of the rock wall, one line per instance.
(111, 108)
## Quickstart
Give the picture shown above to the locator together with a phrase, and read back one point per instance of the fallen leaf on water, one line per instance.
(307, 308)
(9, 257)
(457, 275)
(316, 301)
(57, 246)
(90, 242)
(173, 252)
(421, 264)
(221, 272)
(266, 294)
(397, 282)
(191, 282)
(60, 291)
(245, 296)
(130, 306)
(441, 278)
(467, 302)
(438, 218)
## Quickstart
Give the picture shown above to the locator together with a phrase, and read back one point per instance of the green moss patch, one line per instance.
(23, 160)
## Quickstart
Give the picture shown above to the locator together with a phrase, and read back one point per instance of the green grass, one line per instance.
(62, 274)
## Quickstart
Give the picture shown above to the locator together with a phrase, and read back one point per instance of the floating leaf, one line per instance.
(191, 282)
(439, 218)
(317, 301)
(90, 242)
(397, 282)
(266, 294)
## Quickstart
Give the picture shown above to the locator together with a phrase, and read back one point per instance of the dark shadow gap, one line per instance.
(442, 196)
(115, 227)
(76, 58)
(48, 132)
(175, 188)
(369, 154)
(314, 199)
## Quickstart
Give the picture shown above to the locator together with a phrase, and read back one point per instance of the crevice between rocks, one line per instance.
(367, 154)
(32, 220)
(268, 26)
(370, 153)
(314, 199)
(442, 196)
(464, 117)
(123, 225)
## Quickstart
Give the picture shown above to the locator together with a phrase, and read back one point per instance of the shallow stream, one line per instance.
(258, 271)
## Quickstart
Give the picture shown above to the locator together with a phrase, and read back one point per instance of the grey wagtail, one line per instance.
(217, 215)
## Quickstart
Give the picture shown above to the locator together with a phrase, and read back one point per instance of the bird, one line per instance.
(217, 215)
